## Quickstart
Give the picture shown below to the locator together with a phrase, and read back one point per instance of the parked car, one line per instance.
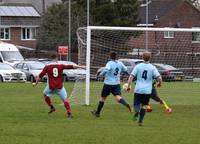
(129, 63)
(72, 74)
(8, 74)
(169, 73)
(31, 69)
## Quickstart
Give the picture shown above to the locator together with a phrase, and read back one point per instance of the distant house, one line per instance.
(40, 5)
(19, 24)
(177, 48)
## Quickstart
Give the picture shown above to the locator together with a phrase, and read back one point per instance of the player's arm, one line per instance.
(159, 81)
(79, 66)
(73, 67)
(130, 79)
(37, 81)
(40, 76)
(105, 70)
(124, 69)
(158, 77)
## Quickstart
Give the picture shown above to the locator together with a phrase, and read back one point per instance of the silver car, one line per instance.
(72, 74)
(31, 68)
(9, 74)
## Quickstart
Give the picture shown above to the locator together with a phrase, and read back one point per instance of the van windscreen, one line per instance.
(11, 56)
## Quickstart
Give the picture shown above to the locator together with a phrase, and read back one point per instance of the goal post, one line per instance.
(179, 47)
(87, 92)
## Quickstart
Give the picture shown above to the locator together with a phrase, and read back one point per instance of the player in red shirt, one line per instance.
(54, 71)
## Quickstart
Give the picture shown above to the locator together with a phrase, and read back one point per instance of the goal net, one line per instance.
(175, 53)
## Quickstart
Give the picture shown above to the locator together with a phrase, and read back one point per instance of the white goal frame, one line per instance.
(90, 28)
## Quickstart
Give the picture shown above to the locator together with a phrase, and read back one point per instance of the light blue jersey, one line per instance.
(145, 73)
(112, 72)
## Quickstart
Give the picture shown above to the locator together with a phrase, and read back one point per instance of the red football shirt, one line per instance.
(54, 72)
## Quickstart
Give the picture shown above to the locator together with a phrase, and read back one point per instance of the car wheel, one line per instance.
(65, 77)
(1, 79)
(32, 78)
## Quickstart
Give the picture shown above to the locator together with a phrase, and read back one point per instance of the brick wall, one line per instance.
(15, 38)
(176, 51)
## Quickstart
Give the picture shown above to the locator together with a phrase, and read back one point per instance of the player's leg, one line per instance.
(122, 101)
(167, 108)
(116, 91)
(142, 114)
(144, 100)
(136, 106)
(47, 93)
(104, 93)
(154, 96)
(99, 106)
(63, 95)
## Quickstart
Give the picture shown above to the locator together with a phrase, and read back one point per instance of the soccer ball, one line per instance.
(125, 86)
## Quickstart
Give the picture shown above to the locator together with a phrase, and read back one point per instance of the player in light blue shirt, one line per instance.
(111, 73)
(144, 73)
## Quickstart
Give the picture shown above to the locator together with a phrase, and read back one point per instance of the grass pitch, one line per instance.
(24, 118)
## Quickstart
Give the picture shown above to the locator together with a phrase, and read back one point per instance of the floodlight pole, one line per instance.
(69, 36)
(147, 21)
(88, 12)
(0, 28)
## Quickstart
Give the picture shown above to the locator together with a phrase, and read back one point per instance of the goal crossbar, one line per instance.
(144, 29)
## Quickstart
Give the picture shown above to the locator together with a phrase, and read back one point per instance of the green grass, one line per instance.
(24, 118)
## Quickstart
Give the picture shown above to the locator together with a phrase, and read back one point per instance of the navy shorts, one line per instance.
(154, 95)
(141, 99)
(107, 89)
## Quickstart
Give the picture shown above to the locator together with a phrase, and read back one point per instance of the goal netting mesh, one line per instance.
(176, 52)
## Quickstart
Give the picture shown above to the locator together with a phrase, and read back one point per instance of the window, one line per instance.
(168, 34)
(19, 66)
(25, 67)
(196, 37)
(28, 33)
(5, 33)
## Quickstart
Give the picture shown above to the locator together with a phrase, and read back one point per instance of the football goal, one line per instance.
(175, 53)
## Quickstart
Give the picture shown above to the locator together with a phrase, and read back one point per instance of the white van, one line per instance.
(9, 53)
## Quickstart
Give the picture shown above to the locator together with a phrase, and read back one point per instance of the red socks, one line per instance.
(67, 106)
(48, 101)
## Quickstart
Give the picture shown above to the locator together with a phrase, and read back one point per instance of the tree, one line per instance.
(54, 28)
(54, 25)
(112, 12)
